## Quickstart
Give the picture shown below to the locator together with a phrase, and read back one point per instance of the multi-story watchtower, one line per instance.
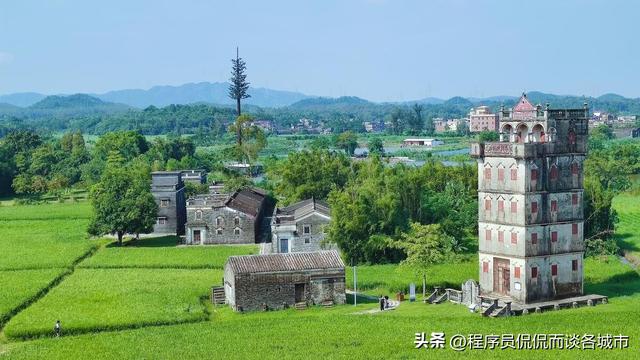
(530, 194)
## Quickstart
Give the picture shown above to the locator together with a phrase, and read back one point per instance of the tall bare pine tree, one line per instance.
(238, 87)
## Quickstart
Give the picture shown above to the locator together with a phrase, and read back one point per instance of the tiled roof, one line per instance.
(247, 200)
(303, 208)
(285, 262)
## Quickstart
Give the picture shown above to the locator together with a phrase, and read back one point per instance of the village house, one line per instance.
(225, 218)
(300, 227)
(422, 142)
(167, 189)
(198, 176)
(482, 119)
(277, 281)
(531, 216)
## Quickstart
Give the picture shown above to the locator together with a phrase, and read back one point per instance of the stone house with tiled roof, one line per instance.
(276, 281)
(300, 227)
(225, 218)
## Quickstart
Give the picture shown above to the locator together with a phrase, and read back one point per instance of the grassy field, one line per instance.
(41, 244)
(163, 253)
(628, 229)
(390, 279)
(342, 332)
(20, 286)
(108, 299)
(110, 304)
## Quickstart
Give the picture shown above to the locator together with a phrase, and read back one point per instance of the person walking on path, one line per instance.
(381, 300)
(57, 328)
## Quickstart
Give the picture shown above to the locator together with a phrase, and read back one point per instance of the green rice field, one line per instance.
(148, 299)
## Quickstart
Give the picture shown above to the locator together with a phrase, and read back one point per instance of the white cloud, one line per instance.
(5, 57)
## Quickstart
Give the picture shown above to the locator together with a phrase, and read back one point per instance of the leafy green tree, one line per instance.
(348, 142)
(415, 120)
(250, 139)
(425, 246)
(488, 136)
(239, 86)
(376, 146)
(122, 203)
(307, 174)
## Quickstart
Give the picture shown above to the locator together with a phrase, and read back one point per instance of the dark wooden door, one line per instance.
(196, 236)
(300, 293)
(501, 276)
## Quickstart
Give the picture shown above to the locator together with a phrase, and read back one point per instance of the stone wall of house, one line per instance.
(168, 192)
(222, 231)
(301, 241)
(277, 290)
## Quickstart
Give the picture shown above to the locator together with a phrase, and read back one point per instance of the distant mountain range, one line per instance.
(159, 96)
(216, 94)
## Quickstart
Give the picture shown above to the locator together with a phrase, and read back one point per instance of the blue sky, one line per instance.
(376, 49)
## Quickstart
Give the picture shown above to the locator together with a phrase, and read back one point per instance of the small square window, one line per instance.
(164, 202)
(236, 231)
(534, 272)
(219, 231)
(306, 240)
(306, 229)
(554, 270)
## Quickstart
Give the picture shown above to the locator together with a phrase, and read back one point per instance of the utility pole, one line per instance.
(355, 285)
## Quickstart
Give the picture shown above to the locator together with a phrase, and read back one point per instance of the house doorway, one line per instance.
(197, 237)
(300, 293)
(501, 276)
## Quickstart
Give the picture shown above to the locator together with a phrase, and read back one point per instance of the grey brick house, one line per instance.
(167, 189)
(196, 176)
(281, 280)
(224, 218)
(300, 227)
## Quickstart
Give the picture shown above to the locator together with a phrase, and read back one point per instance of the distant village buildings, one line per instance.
(300, 227)
(194, 176)
(482, 119)
(374, 126)
(277, 281)
(421, 142)
(441, 125)
(225, 219)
